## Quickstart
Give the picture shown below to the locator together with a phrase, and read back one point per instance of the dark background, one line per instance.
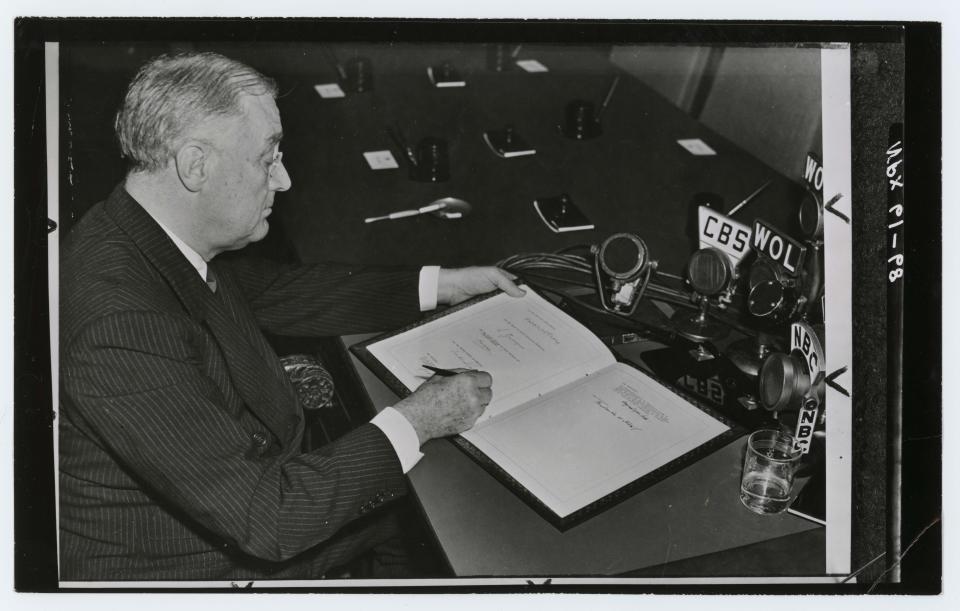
(877, 94)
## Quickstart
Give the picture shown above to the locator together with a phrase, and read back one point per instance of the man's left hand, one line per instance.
(456, 285)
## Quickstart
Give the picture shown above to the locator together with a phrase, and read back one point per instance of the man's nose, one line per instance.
(279, 179)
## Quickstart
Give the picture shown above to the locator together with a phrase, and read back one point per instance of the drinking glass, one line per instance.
(768, 469)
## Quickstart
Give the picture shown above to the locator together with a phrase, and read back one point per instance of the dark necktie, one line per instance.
(253, 365)
(211, 279)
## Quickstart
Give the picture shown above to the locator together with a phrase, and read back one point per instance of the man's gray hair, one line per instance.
(171, 94)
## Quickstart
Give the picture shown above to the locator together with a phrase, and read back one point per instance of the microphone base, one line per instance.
(698, 328)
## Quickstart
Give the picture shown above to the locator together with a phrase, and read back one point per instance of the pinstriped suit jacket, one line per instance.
(179, 432)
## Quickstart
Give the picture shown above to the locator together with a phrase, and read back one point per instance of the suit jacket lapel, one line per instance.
(257, 375)
(157, 247)
(256, 371)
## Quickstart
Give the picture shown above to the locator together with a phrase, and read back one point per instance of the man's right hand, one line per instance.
(444, 406)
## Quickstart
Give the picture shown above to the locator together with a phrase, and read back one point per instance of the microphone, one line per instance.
(622, 268)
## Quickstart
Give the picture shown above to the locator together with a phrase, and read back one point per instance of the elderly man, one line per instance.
(179, 433)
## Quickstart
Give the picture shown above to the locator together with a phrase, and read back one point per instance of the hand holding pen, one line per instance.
(448, 403)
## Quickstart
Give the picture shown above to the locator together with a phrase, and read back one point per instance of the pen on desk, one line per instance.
(606, 100)
(516, 52)
(439, 371)
(405, 213)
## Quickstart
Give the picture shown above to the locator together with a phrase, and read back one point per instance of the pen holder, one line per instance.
(445, 72)
(498, 57)
(580, 123)
(358, 75)
(432, 162)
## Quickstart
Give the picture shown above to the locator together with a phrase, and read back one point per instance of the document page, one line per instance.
(527, 344)
(577, 444)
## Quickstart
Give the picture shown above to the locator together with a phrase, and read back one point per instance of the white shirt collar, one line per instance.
(192, 256)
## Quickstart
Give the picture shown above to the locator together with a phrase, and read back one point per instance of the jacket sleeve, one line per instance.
(325, 299)
(134, 381)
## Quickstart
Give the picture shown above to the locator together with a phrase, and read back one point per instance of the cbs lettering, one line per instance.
(724, 233)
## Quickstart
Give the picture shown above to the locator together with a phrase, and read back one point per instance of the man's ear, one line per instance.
(193, 165)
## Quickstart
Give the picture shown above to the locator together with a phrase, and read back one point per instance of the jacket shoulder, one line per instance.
(103, 273)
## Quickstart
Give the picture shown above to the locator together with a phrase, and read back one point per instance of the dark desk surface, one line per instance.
(635, 177)
(484, 529)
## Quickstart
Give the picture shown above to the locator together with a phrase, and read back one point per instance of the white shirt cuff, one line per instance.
(401, 435)
(429, 286)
